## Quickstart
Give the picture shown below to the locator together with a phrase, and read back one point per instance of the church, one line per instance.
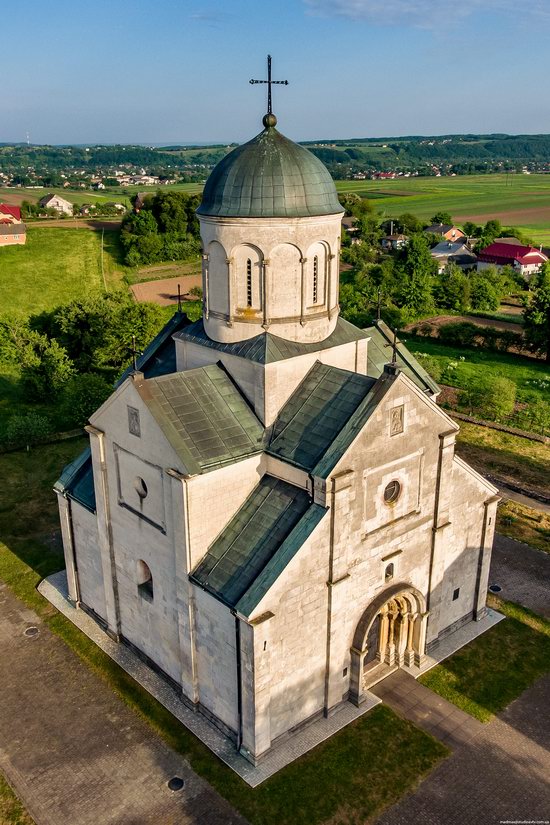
(271, 511)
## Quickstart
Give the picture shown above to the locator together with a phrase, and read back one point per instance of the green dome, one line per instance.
(269, 177)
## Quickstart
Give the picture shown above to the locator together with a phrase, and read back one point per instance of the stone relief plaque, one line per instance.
(133, 421)
(397, 420)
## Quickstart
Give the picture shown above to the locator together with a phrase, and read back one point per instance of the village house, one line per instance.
(395, 241)
(456, 253)
(9, 213)
(12, 234)
(525, 259)
(446, 231)
(57, 203)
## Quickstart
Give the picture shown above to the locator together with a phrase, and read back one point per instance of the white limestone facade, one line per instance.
(275, 274)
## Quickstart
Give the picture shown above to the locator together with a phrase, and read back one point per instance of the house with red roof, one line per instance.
(525, 259)
(9, 213)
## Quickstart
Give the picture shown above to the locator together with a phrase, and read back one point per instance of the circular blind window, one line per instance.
(392, 492)
(140, 487)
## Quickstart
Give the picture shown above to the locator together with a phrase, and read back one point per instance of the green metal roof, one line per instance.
(268, 522)
(204, 417)
(159, 357)
(77, 481)
(267, 348)
(269, 177)
(315, 413)
(379, 352)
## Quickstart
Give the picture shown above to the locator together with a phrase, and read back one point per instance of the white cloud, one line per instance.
(424, 13)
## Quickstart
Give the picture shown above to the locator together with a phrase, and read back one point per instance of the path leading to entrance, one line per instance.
(426, 709)
(499, 775)
(523, 573)
(75, 754)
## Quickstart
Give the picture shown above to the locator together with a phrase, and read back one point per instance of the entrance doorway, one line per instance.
(390, 634)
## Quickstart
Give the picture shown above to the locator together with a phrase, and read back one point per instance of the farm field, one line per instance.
(515, 200)
(55, 266)
(17, 196)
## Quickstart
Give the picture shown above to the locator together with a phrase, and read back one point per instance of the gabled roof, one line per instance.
(12, 228)
(267, 348)
(442, 228)
(159, 357)
(315, 413)
(8, 209)
(379, 352)
(257, 544)
(498, 252)
(204, 417)
(450, 248)
(77, 481)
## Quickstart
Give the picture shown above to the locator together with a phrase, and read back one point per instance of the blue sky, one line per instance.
(178, 71)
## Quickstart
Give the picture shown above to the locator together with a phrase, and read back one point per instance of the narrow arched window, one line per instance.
(315, 279)
(144, 580)
(388, 575)
(249, 283)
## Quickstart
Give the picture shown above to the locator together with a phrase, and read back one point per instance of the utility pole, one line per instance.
(102, 266)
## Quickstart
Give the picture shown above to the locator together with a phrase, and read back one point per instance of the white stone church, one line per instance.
(271, 510)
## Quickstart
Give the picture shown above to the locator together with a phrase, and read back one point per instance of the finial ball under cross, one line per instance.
(269, 118)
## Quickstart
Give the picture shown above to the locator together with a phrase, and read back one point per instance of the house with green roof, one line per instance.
(270, 509)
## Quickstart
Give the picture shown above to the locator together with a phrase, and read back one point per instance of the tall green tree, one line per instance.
(415, 271)
(536, 315)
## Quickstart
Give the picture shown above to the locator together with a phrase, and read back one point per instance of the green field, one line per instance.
(55, 266)
(516, 200)
(80, 196)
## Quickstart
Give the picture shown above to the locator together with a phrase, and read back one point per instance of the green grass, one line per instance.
(79, 196)
(509, 457)
(524, 524)
(489, 673)
(11, 809)
(55, 266)
(466, 197)
(350, 778)
(523, 371)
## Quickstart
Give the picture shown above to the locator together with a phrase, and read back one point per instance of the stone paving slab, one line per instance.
(54, 588)
(426, 709)
(73, 752)
(499, 775)
(523, 573)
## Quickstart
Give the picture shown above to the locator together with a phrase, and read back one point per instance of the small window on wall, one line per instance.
(388, 574)
(456, 594)
(392, 492)
(249, 283)
(144, 581)
(315, 279)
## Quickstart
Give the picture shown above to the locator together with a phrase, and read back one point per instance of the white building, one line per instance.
(56, 202)
(271, 509)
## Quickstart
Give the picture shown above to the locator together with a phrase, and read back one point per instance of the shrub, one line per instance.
(81, 397)
(27, 429)
(493, 396)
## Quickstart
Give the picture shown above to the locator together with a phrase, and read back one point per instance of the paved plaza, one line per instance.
(75, 754)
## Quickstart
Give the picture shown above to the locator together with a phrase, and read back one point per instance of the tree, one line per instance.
(409, 223)
(452, 289)
(470, 229)
(27, 429)
(442, 217)
(81, 397)
(415, 269)
(492, 396)
(536, 315)
(45, 367)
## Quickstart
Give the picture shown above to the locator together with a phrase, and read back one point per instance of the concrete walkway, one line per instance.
(523, 573)
(426, 709)
(75, 754)
(499, 775)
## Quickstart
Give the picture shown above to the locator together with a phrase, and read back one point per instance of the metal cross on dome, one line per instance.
(270, 83)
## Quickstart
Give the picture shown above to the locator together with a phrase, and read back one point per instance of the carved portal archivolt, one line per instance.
(392, 631)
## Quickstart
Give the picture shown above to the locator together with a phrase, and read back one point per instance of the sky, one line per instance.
(177, 71)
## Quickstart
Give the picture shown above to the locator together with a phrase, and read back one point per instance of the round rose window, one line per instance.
(392, 492)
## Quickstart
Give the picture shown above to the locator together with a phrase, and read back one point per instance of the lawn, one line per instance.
(11, 809)
(509, 457)
(348, 779)
(524, 524)
(54, 266)
(490, 672)
(80, 196)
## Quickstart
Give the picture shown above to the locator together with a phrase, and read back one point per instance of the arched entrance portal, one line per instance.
(392, 632)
